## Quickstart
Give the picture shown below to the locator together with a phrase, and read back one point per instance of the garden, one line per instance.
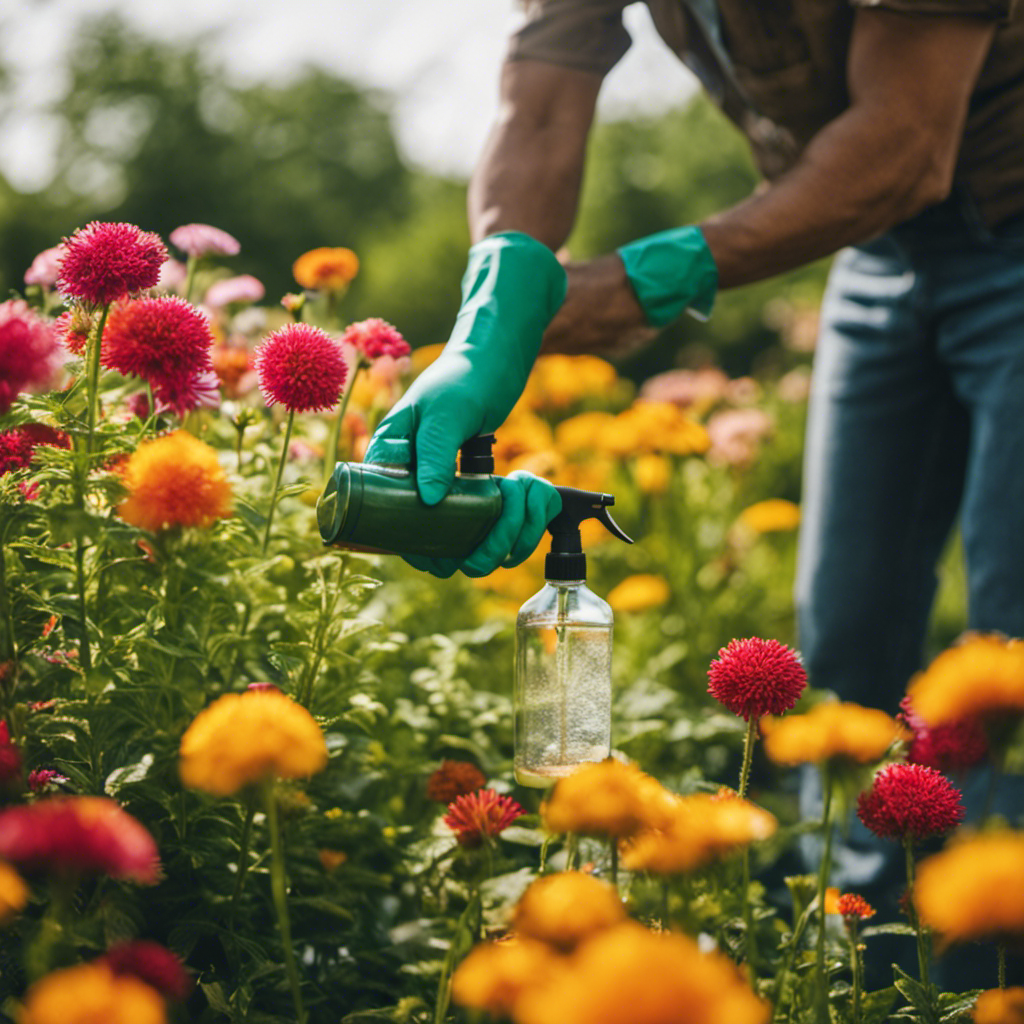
(249, 777)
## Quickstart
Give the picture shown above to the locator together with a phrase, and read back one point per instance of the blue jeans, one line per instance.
(916, 418)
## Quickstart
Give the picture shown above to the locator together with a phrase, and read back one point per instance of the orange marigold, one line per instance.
(495, 974)
(628, 975)
(175, 480)
(974, 889)
(566, 908)
(90, 993)
(639, 593)
(13, 892)
(831, 732)
(771, 516)
(326, 269)
(1000, 1006)
(983, 674)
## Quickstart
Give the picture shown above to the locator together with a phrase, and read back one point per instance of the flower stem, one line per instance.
(278, 891)
(1001, 953)
(614, 870)
(9, 647)
(572, 851)
(331, 451)
(277, 481)
(243, 860)
(748, 922)
(922, 949)
(84, 652)
(748, 754)
(190, 276)
(92, 381)
(824, 871)
(855, 969)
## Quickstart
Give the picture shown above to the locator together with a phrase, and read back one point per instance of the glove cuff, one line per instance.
(670, 272)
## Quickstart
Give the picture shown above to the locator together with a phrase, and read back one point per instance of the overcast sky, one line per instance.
(438, 59)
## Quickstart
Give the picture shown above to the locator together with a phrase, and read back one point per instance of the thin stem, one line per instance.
(9, 647)
(331, 451)
(572, 851)
(93, 379)
(748, 754)
(855, 969)
(922, 949)
(278, 890)
(190, 276)
(614, 871)
(748, 921)
(84, 652)
(824, 871)
(277, 481)
(1001, 953)
(243, 859)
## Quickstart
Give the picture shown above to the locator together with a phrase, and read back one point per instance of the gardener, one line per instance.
(894, 128)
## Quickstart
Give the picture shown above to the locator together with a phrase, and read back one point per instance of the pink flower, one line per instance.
(204, 240)
(701, 388)
(106, 262)
(45, 267)
(10, 757)
(301, 367)
(44, 779)
(736, 433)
(481, 815)
(756, 677)
(72, 329)
(173, 275)
(951, 747)
(78, 835)
(374, 338)
(152, 963)
(244, 288)
(29, 352)
(200, 391)
(910, 802)
(165, 341)
(18, 444)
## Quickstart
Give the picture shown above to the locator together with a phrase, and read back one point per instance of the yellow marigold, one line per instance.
(566, 908)
(559, 380)
(639, 593)
(495, 974)
(326, 269)
(1000, 1006)
(974, 888)
(702, 828)
(652, 473)
(521, 434)
(247, 738)
(582, 433)
(982, 674)
(90, 993)
(423, 356)
(607, 798)
(772, 516)
(13, 893)
(830, 731)
(629, 975)
(664, 427)
(175, 481)
(548, 464)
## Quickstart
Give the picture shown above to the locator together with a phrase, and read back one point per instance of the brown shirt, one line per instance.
(778, 69)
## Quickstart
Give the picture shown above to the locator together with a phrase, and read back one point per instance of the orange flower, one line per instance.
(90, 993)
(1000, 1006)
(639, 593)
(558, 380)
(701, 828)
(607, 798)
(175, 481)
(653, 474)
(628, 975)
(13, 893)
(330, 860)
(831, 731)
(974, 889)
(983, 674)
(242, 739)
(581, 434)
(564, 909)
(495, 974)
(326, 269)
(772, 516)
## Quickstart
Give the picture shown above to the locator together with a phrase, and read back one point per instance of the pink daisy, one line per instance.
(301, 367)
(204, 240)
(104, 262)
(45, 267)
(244, 288)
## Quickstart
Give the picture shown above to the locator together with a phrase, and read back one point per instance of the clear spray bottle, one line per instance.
(563, 676)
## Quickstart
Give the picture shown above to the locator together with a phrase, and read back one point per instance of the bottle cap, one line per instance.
(566, 560)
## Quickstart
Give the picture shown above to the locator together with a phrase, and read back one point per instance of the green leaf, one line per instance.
(917, 995)
(894, 928)
(875, 1007)
(125, 776)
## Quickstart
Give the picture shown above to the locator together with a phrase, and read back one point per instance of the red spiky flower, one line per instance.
(950, 747)
(164, 341)
(105, 262)
(481, 815)
(18, 444)
(301, 367)
(374, 338)
(756, 677)
(454, 779)
(152, 963)
(909, 802)
(29, 353)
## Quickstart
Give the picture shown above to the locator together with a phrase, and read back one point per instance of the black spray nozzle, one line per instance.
(566, 560)
(475, 454)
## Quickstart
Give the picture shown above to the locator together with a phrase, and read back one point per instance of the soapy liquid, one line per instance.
(543, 776)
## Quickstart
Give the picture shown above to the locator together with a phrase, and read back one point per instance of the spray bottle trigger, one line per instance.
(605, 518)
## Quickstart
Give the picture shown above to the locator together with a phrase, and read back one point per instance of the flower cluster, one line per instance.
(249, 738)
(478, 817)
(756, 677)
(78, 835)
(105, 262)
(176, 480)
(301, 367)
(909, 802)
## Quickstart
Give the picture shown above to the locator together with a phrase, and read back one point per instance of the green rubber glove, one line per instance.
(670, 272)
(512, 287)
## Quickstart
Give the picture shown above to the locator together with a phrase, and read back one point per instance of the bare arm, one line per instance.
(888, 156)
(529, 176)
